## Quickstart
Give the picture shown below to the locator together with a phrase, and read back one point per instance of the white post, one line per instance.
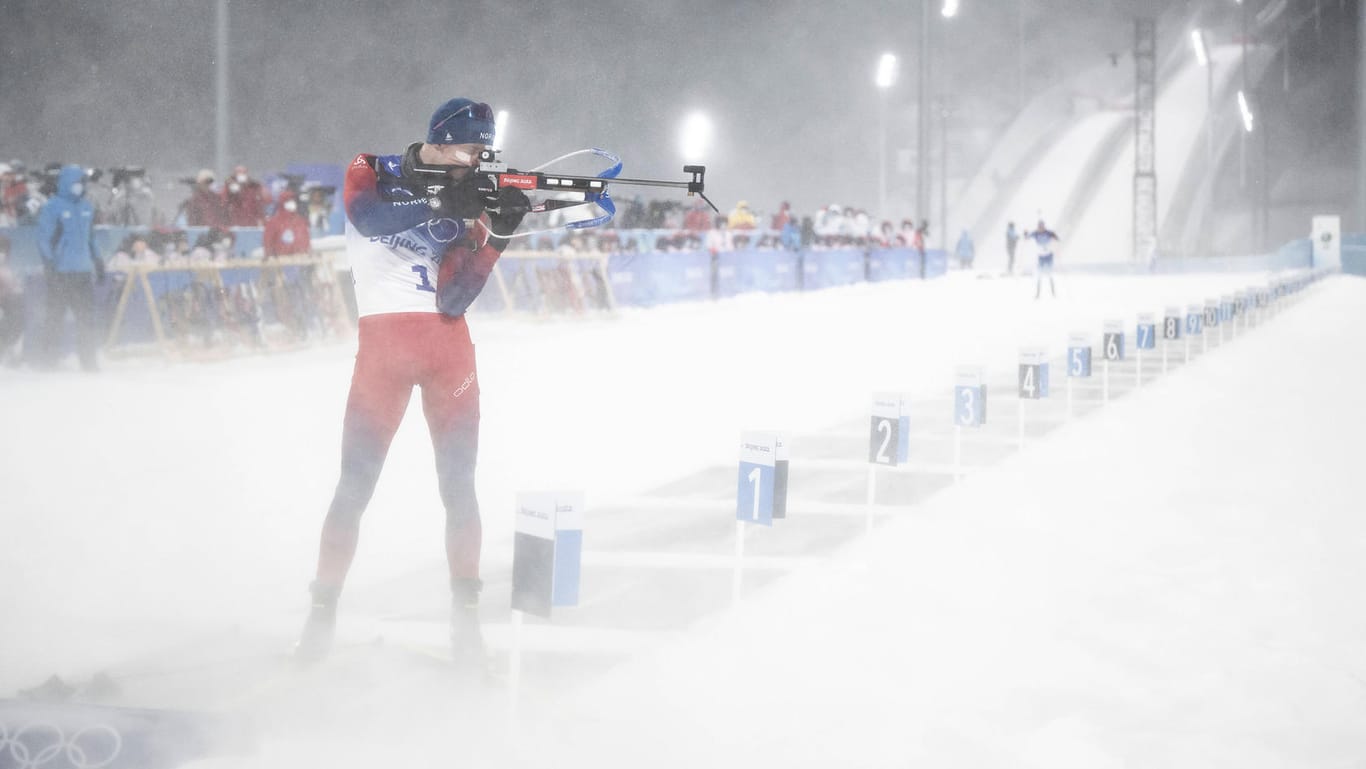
(1164, 356)
(1186, 356)
(738, 577)
(957, 452)
(515, 660)
(872, 494)
(1022, 422)
(1069, 397)
(1138, 373)
(1105, 383)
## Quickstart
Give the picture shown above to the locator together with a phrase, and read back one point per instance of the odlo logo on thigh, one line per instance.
(465, 385)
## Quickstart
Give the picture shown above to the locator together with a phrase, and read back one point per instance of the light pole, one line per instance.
(886, 76)
(922, 114)
(1361, 121)
(1245, 111)
(220, 153)
(1247, 126)
(922, 139)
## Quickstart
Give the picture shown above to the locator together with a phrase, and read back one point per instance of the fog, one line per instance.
(1127, 572)
(788, 86)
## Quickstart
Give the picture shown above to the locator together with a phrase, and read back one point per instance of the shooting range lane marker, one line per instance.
(754, 496)
(889, 435)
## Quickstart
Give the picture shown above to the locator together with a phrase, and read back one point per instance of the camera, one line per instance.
(120, 177)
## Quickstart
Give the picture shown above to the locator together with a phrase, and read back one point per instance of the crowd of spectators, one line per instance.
(679, 225)
(125, 196)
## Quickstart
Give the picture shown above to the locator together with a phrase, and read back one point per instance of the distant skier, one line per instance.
(1044, 239)
(419, 239)
(964, 250)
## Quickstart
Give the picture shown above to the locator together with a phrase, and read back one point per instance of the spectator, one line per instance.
(741, 218)
(905, 237)
(830, 225)
(13, 191)
(860, 226)
(965, 251)
(698, 218)
(918, 243)
(1012, 240)
(719, 238)
(783, 216)
(71, 262)
(137, 254)
(319, 209)
(791, 235)
(286, 230)
(808, 236)
(245, 199)
(176, 248)
(886, 237)
(214, 245)
(205, 208)
(11, 306)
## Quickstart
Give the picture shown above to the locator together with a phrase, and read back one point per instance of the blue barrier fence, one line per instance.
(641, 279)
(649, 279)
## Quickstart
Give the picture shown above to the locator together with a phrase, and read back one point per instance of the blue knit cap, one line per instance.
(461, 121)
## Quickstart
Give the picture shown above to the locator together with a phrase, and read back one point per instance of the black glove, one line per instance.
(460, 200)
(505, 214)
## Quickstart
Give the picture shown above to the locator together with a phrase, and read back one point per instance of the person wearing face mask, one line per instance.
(286, 234)
(286, 231)
(72, 265)
(205, 207)
(245, 199)
(422, 242)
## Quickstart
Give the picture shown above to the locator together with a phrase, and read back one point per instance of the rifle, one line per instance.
(493, 174)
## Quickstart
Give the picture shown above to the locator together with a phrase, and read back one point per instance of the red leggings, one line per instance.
(398, 351)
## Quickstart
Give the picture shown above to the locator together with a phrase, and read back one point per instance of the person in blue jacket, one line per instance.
(72, 265)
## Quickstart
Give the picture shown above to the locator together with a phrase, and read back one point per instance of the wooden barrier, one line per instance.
(282, 303)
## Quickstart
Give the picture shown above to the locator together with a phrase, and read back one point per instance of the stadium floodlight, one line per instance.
(950, 9)
(1198, 43)
(500, 127)
(886, 70)
(1247, 112)
(695, 137)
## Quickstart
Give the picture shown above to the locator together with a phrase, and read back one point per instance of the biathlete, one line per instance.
(422, 242)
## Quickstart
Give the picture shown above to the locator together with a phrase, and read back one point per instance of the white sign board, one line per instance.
(1326, 238)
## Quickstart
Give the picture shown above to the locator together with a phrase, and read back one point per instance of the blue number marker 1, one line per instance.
(758, 471)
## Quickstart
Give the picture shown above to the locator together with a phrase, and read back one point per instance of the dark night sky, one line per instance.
(787, 84)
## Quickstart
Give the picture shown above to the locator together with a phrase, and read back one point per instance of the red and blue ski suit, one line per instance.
(415, 276)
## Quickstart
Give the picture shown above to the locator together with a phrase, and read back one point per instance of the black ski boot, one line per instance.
(467, 640)
(316, 640)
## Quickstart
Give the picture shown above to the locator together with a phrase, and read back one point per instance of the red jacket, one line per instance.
(286, 232)
(247, 206)
(205, 209)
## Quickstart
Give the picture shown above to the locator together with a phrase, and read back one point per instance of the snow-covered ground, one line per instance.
(1168, 582)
